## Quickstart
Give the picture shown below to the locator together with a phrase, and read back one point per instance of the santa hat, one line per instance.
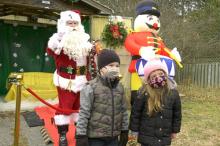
(72, 15)
(152, 65)
(106, 57)
(147, 7)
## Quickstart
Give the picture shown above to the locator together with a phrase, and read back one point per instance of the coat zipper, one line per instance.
(113, 111)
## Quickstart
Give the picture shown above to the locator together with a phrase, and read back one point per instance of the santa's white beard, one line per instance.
(76, 44)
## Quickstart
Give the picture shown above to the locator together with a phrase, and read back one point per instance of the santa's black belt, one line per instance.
(135, 57)
(79, 70)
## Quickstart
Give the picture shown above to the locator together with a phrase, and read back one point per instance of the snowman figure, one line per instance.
(145, 44)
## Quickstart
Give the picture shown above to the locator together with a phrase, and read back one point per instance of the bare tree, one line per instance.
(190, 25)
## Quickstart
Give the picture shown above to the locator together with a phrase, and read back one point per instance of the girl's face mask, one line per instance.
(157, 79)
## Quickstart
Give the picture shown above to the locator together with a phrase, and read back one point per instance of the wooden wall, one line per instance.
(97, 25)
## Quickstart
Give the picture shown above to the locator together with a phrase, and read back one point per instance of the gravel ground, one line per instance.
(28, 136)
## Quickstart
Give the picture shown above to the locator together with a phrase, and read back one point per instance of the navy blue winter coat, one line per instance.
(156, 130)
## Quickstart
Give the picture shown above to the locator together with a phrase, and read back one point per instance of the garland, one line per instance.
(114, 34)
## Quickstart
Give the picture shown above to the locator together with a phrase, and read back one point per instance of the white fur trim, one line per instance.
(54, 44)
(70, 15)
(76, 84)
(81, 61)
(62, 119)
(57, 51)
(74, 117)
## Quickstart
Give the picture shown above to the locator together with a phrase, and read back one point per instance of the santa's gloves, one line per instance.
(54, 43)
(147, 53)
(176, 54)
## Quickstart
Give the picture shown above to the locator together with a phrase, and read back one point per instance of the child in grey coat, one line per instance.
(103, 113)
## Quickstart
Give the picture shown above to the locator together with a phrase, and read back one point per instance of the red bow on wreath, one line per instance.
(114, 34)
(115, 31)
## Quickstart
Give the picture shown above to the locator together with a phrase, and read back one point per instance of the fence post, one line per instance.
(201, 74)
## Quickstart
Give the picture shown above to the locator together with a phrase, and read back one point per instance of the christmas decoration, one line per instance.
(17, 45)
(114, 32)
(15, 64)
(145, 44)
(38, 57)
(15, 55)
(47, 59)
(21, 70)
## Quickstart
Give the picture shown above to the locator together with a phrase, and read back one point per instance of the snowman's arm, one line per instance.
(161, 50)
(131, 45)
(173, 57)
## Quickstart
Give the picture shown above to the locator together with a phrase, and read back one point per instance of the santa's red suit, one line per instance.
(69, 78)
(136, 40)
(70, 48)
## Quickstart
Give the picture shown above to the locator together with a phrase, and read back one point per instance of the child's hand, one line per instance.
(132, 138)
(173, 135)
(134, 134)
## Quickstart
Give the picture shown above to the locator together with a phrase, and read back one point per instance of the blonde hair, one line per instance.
(155, 96)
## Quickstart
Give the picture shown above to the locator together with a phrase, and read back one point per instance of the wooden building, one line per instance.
(26, 25)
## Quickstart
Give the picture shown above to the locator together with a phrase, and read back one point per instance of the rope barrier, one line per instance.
(64, 111)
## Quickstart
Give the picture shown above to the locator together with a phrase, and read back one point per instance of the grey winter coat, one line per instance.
(103, 111)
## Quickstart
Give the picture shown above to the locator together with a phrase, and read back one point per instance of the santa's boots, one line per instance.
(62, 130)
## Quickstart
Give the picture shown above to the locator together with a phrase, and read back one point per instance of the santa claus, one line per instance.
(70, 48)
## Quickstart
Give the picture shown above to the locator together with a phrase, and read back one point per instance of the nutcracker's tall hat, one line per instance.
(147, 7)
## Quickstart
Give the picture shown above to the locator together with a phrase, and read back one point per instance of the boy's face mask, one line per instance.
(111, 74)
(157, 79)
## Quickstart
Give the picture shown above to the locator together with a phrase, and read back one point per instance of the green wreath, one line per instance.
(114, 34)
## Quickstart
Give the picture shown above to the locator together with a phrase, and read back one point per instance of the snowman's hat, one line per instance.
(147, 7)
